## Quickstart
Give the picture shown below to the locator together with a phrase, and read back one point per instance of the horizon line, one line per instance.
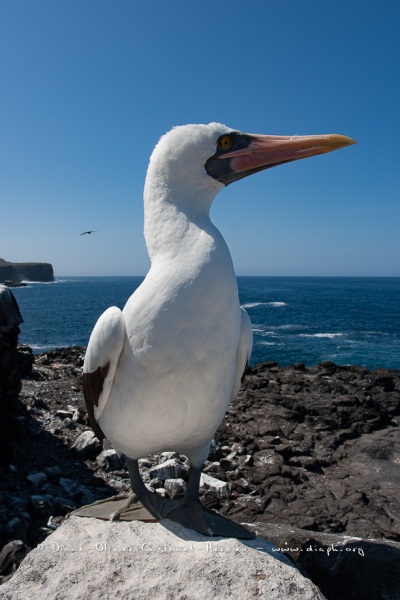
(269, 276)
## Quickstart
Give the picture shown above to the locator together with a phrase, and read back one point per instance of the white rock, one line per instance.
(241, 485)
(75, 412)
(164, 456)
(238, 448)
(109, 460)
(87, 445)
(63, 414)
(170, 469)
(90, 558)
(175, 487)
(246, 460)
(222, 489)
(232, 455)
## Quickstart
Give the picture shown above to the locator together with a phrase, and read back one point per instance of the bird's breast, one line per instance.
(175, 376)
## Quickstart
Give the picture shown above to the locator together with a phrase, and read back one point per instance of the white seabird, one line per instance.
(159, 375)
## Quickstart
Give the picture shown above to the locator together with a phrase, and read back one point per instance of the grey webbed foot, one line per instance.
(123, 507)
(193, 515)
(187, 511)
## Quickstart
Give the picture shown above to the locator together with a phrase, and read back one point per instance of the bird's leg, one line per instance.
(193, 486)
(155, 504)
(137, 483)
(188, 511)
(191, 513)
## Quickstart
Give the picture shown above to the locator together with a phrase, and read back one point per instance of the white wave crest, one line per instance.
(254, 304)
(377, 333)
(27, 281)
(321, 335)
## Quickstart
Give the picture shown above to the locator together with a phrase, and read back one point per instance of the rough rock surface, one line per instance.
(341, 566)
(324, 445)
(313, 448)
(88, 558)
(14, 363)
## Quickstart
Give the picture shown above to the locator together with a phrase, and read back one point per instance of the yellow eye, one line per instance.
(225, 142)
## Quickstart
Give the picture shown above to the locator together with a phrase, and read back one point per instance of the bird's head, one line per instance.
(192, 163)
(212, 156)
(179, 160)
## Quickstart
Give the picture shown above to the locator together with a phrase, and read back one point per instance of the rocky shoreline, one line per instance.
(314, 448)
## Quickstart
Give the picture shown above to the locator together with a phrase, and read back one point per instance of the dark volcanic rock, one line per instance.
(14, 364)
(325, 444)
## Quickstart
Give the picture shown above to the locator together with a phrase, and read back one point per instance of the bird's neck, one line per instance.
(177, 222)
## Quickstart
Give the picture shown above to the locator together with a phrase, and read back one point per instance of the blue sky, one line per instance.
(89, 86)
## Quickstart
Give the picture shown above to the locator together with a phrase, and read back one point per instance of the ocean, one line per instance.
(295, 319)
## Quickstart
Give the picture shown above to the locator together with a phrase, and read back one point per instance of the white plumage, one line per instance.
(179, 348)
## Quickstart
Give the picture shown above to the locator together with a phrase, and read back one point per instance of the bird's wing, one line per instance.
(243, 352)
(101, 360)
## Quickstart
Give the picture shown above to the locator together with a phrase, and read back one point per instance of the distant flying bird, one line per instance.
(88, 232)
(159, 375)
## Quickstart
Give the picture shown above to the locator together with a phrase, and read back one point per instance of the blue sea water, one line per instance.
(295, 319)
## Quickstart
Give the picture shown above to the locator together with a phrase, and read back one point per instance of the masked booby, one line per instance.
(160, 374)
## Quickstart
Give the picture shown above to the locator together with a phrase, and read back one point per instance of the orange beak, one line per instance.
(266, 151)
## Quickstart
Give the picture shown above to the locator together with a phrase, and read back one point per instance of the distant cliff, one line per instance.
(17, 272)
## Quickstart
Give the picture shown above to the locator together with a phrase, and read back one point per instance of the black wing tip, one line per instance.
(92, 388)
